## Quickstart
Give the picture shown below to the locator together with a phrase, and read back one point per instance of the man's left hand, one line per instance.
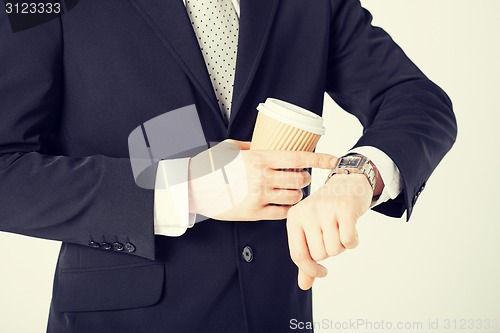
(324, 224)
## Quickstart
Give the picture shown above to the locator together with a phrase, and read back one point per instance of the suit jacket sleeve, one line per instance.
(403, 113)
(58, 197)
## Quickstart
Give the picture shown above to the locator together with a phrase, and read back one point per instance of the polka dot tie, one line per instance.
(216, 25)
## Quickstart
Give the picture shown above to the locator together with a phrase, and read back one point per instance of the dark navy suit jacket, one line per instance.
(72, 90)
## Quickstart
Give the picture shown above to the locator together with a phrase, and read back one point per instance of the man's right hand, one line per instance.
(257, 185)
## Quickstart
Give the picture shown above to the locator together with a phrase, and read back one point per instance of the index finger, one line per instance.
(283, 159)
(299, 253)
(243, 145)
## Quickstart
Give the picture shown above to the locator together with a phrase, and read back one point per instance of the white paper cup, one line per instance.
(284, 126)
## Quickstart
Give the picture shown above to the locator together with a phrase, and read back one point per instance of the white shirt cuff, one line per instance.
(171, 198)
(388, 171)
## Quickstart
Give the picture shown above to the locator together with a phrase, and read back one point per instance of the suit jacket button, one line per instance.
(247, 254)
(106, 246)
(117, 246)
(94, 244)
(129, 247)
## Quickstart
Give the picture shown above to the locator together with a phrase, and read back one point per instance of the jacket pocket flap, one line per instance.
(109, 288)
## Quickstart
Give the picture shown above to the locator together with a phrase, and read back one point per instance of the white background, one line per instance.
(444, 263)
(441, 265)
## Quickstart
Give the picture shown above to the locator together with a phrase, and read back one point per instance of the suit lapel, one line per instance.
(169, 20)
(255, 24)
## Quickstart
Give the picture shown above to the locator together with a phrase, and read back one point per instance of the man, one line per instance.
(73, 88)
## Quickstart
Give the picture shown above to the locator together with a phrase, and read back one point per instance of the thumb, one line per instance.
(305, 281)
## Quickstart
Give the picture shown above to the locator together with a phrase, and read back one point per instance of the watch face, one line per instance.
(350, 161)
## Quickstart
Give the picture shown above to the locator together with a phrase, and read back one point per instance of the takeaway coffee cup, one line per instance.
(284, 126)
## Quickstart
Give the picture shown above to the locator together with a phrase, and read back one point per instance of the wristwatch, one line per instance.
(357, 164)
